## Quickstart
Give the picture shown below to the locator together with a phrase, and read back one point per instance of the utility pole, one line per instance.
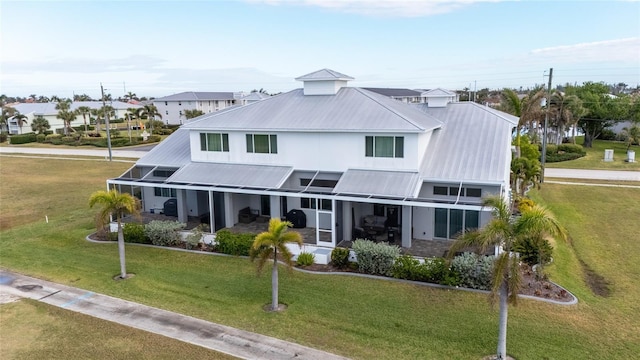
(106, 121)
(546, 120)
(475, 89)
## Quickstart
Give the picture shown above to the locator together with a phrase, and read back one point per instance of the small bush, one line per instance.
(52, 137)
(607, 134)
(234, 244)
(164, 233)
(3, 137)
(340, 257)
(572, 148)
(195, 237)
(134, 233)
(375, 258)
(474, 270)
(533, 250)
(40, 138)
(306, 259)
(434, 270)
(22, 139)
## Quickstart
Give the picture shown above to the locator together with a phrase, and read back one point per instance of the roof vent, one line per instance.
(324, 82)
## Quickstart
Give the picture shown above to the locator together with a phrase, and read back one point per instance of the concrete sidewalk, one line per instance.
(611, 175)
(73, 152)
(224, 339)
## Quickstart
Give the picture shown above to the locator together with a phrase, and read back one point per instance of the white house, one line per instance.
(49, 112)
(354, 162)
(172, 107)
(405, 95)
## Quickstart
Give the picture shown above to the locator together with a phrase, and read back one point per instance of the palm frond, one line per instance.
(514, 280)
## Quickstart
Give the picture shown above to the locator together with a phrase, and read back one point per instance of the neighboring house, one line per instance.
(351, 160)
(172, 107)
(439, 97)
(252, 97)
(49, 112)
(405, 95)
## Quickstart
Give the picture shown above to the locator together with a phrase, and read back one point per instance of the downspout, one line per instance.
(459, 191)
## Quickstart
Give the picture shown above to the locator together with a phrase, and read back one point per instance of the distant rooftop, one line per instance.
(197, 96)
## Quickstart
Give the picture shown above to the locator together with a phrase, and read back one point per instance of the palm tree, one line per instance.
(132, 114)
(268, 244)
(21, 119)
(83, 97)
(149, 112)
(503, 231)
(65, 114)
(42, 99)
(190, 114)
(7, 113)
(631, 135)
(115, 204)
(130, 96)
(564, 111)
(84, 111)
(527, 108)
(40, 124)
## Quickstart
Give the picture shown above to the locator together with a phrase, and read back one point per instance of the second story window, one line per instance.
(214, 142)
(262, 144)
(384, 146)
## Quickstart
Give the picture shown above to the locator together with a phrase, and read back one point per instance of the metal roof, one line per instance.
(395, 92)
(324, 74)
(239, 175)
(197, 96)
(439, 92)
(174, 151)
(378, 183)
(473, 144)
(350, 110)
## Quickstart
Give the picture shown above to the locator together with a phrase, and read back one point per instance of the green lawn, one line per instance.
(595, 157)
(34, 330)
(355, 317)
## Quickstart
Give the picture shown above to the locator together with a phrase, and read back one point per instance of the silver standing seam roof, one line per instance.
(378, 183)
(174, 151)
(350, 110)
(473, 146)
(225, 174)
(197, 96)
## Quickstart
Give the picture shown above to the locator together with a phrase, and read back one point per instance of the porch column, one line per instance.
(274, 206)
(212, 223)
(182, 205)
(407, 226)
(229, 214)
(347, 222)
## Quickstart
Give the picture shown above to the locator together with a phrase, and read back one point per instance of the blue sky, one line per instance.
(156, 48)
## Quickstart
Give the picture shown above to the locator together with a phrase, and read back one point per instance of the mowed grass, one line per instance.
(595, 157)
(356, 317)
(35, 330)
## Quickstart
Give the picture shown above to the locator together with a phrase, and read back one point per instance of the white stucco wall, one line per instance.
(314, 151)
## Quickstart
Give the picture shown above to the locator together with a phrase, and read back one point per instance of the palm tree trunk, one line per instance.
(274, 281)
(502, 323)
(123, 270)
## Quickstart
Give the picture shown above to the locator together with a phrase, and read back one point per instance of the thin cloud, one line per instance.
(382, 8)
(83, 65)
(609, 50)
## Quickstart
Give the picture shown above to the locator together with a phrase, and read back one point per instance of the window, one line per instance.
(214, 142)
(307, 203)
(474, 192)
(440, 190)
(262, 144)
(166, 112)
(449, 223)
(319, 183)
(163, 173)
(164, 192)
(310, 203)
(384, 146)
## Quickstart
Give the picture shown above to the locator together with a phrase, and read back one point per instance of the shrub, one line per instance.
(53, 137)
(234, 244)
(22, 139)
(306, 259)
(434, 270)
(375, 258)
(572, 148)
(474, 270)
(340, 257)
(40, 138)
(533, 250)
(524, 204)
(607, 134)
(165, 131)
(3, 137)
(195, 237)
(164, 233)
(134, 233)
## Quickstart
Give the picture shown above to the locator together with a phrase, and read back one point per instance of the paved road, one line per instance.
(592, 174)
(242, 344)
